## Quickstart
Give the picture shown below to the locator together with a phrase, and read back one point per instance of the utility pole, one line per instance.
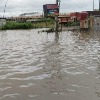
(93, 5)
(99, 5)
(5, 8)
(56, 20)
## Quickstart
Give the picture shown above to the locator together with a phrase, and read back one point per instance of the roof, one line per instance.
(93, 12)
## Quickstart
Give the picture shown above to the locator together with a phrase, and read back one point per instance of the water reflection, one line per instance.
(53, 67)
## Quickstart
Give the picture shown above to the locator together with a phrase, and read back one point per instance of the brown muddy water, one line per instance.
(41, 66)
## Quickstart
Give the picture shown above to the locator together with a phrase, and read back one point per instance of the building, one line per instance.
(94, 17)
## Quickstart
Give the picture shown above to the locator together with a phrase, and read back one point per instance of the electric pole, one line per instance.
(93, 5)
(56, 20)
(57, 2)
(5, 8)
(99, 5)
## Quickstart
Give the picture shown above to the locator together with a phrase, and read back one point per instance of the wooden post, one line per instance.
(61, 24)
(56, 23)
(67, 22)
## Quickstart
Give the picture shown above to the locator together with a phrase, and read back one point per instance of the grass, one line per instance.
(16, 25)
(42, 23)
(72, 24)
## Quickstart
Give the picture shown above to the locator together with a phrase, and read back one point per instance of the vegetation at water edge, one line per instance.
(42, 23)
(17, 25)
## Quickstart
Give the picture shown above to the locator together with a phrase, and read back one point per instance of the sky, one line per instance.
(16, 7)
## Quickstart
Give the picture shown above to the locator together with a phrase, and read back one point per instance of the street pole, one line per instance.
(99, 5)
(57, 2)
(5, 8)
(56, 20)
(93, 5)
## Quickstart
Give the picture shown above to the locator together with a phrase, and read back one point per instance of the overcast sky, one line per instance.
(16, 7)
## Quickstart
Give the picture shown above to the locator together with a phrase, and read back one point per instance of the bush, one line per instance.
(73, 23)
(42, 23)
(17, 25)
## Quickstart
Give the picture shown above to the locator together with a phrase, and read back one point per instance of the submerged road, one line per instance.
(41, 66)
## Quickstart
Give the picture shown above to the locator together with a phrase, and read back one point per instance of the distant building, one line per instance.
(94, 19)
(30, 14)
(93, 13)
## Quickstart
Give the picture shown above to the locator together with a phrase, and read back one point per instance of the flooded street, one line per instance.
(41, 66)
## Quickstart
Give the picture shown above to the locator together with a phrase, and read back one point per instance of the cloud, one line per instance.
(16, 7)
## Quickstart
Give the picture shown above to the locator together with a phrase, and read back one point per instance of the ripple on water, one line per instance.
(41, 66)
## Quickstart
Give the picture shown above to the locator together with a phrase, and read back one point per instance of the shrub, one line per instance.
(17, 25)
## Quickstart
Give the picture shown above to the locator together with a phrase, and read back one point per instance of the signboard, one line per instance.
(51, 10)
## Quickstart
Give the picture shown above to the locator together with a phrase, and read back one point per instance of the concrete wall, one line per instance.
(97, 23)
(91, 21)
(84, 24)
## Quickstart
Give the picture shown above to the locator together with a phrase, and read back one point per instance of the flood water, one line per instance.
(41, 66)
